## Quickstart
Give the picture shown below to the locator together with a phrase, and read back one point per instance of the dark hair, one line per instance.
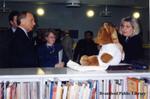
(88, 32)
(49, 31)
(21, 15)
(12, 14)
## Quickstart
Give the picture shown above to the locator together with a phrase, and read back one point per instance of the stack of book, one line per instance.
(131, 88)
(19, 90)
(71, 90)
(139, 88)
(111, 89)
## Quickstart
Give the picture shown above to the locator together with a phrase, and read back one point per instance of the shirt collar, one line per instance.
(49, 44)
(13, 29)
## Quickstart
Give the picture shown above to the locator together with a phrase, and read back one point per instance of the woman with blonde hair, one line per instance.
(130, 38)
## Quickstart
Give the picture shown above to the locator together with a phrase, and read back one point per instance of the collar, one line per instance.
(13, 29)
(47, 44)
(24, 30)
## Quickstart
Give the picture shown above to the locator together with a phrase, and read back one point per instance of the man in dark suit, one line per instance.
(85, 46)
(23, 52)
(6, 38)
(13, 21)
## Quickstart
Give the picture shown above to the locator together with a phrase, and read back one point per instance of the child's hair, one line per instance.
(49, 31)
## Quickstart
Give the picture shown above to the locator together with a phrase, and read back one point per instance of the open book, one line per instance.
(73, 65)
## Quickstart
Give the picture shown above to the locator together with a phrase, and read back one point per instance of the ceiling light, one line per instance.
(4, 9)
(105, 12)
(136, 15)
(90, 13)
(40, 11)
(73, 3)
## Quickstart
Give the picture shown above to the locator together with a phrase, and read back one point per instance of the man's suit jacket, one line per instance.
(23, 52)
(5, 41)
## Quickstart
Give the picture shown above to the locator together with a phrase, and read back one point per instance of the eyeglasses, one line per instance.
(52, 37)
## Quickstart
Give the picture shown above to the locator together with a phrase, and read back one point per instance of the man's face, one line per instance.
(88, 36)
(14, 22)
(28, 22)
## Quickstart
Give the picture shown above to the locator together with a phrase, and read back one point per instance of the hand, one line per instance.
(59, 65)
(121, 49)
(99, 47)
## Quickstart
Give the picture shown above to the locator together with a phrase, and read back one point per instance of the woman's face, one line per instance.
(51, 38)
(126, 29)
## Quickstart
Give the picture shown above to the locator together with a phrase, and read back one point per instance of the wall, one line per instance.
(58, 16)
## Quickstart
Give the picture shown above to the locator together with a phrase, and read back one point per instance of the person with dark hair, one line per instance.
(6, 38)
(49, 53)
(13, 21)
(23, 53)
(67, 43)
(85, 46)
(130, 38)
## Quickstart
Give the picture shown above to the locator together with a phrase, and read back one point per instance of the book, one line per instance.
(133, 86)
(59, 90)
(75, 66)
(18, 90)
(120, 67)
(65, 89)
(93, 95)
(148, 91)
(76, 90)
(141, 89)
(54, 91)
(46, 90)
(51, 84)
(145, 91)
(139, 66)
(86, 92)
(81, 91)
(125, 66)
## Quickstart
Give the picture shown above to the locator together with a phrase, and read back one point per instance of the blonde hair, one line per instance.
(134, 23)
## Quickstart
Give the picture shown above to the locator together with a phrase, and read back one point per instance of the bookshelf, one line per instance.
(37, 77)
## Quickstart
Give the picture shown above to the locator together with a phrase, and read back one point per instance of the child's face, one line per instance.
(51, 38)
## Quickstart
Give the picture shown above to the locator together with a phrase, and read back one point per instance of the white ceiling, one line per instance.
(134, 3)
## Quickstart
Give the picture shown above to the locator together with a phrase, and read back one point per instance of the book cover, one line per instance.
(18, 91)
(54, 91)
(141, 89)
(59, 91)
(132, 86)
(145, 91)
(65, 89)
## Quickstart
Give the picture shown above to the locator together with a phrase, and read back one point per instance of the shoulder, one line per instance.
(19, 30)
(9, 30)
(121, 37)
(58, 46)
(136, 38)
(42, 47)
(81, 41)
